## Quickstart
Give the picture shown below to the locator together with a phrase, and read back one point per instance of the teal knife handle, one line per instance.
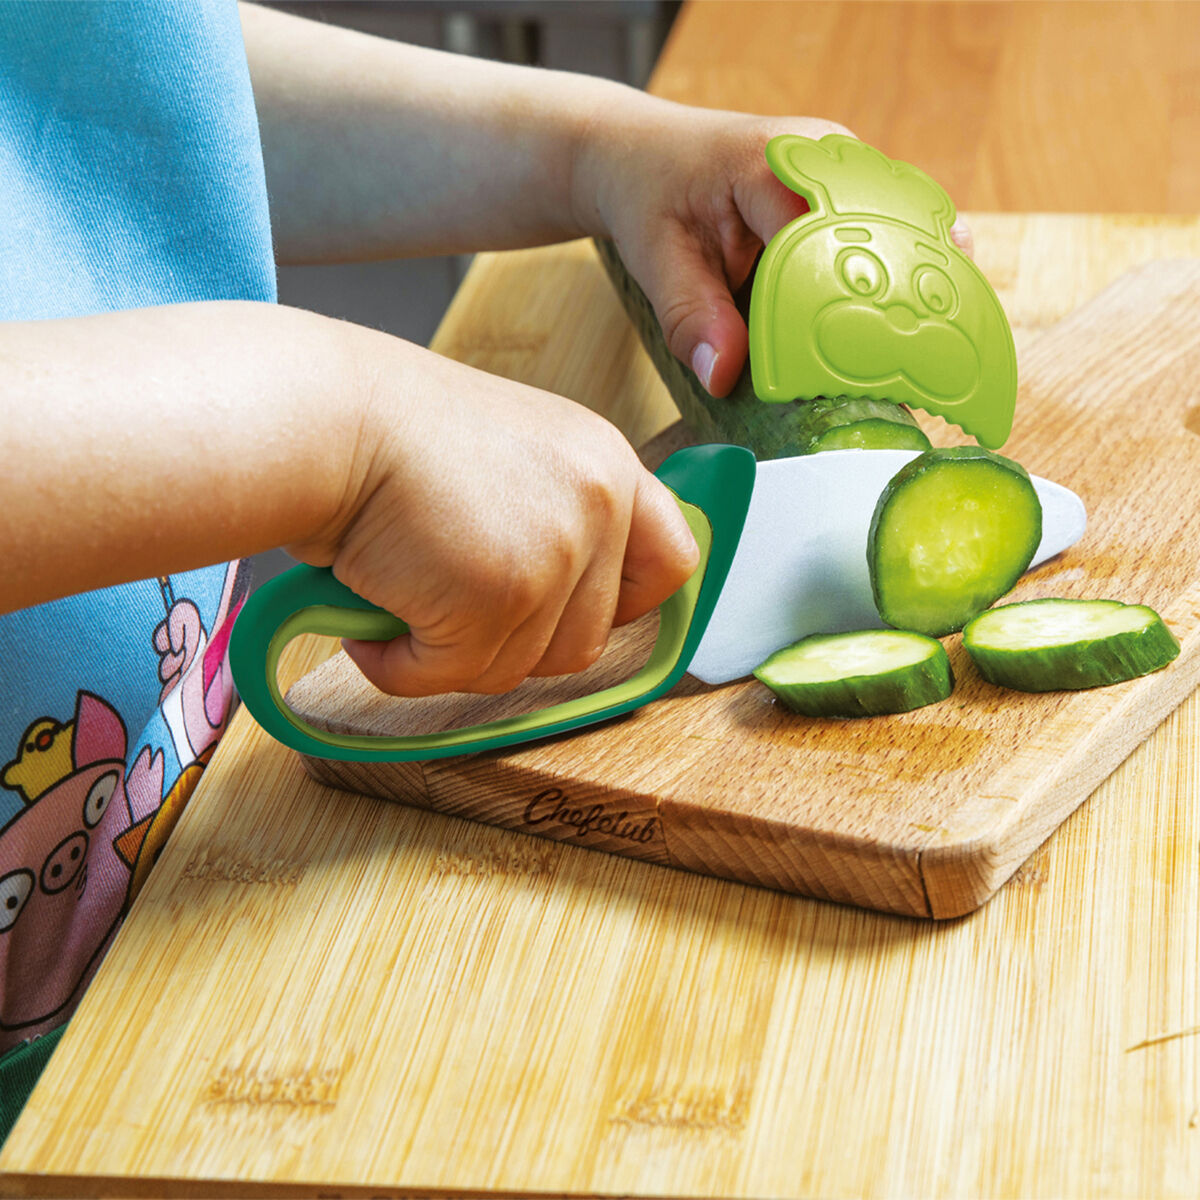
(712, 485)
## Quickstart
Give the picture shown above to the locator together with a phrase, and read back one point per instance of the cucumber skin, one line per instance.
(1074, 666)
(741, 418)
(884, 694)
(927, 461)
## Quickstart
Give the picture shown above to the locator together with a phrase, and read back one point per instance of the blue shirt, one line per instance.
(130, 175)
(130, 167)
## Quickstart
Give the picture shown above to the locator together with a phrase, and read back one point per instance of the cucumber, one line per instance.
(741, 418)
(850, 423)
(861, 674)
(1057, 644)
(951, 533)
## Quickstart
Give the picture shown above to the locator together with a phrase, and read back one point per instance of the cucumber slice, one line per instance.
(881, 434)
(951, 533)
(1056, 644)
(847, 423)
(769, 430)
(861, 674)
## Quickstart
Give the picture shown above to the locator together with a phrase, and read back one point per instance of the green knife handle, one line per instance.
(711, 483)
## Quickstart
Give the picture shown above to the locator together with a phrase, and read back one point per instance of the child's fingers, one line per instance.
(407, 666)
(563, 635)
(767, 204)
(633, 568)
(626, 578)
(699, 319)
(522, 650)
(548, 618)
(583, 627)
(566, 631)
(487, 642)
(541, 645)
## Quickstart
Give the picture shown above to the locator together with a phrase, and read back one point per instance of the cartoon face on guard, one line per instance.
(867, 295)
(890, 313)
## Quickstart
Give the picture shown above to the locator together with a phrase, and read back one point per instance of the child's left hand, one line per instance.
(374, 149)
(688, 198)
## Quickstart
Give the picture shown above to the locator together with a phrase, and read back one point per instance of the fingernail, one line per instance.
(704, 358)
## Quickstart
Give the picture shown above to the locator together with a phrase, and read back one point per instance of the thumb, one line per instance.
(660, 552)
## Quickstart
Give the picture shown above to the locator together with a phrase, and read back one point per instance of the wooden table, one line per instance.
(319, 994)
(1012, 105)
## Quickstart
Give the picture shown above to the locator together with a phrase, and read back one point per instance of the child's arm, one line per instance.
(508, 526)
(375, 149)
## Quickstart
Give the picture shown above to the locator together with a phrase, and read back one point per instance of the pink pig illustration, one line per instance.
(197, 684)
(60, 865)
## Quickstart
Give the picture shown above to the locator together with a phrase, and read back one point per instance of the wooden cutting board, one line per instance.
(925, 813)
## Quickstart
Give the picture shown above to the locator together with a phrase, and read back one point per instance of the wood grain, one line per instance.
(1067, 105)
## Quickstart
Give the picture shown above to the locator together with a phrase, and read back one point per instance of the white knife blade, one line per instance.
(801, 562)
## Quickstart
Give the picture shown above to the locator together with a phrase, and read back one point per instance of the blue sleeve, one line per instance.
(130, 166)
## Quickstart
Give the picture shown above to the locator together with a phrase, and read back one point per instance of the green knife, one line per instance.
(712, 485)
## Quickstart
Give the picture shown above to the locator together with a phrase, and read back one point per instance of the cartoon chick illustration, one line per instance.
(43, 759)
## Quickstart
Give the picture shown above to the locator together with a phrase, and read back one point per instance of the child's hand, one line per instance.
(688, 197)
(510, 528)
(397, 150)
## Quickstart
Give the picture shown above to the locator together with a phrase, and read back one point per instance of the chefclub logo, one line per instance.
(553, 806)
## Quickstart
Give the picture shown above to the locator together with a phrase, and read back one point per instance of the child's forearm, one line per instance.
(509, 527)
(376, 149)
(156, 440)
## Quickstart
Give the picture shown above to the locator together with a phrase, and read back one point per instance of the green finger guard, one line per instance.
(711, 483)
(867, 294)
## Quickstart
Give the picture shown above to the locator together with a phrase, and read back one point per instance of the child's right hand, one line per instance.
(509, 527)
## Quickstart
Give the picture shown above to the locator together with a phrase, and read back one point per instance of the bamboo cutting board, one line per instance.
(925, 813)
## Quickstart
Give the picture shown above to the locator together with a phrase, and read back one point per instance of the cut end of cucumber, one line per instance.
(872, 435)
(854, 423)
(861, 674)
(1065, 645)
(951, 534)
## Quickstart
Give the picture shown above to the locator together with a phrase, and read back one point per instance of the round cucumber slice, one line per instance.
(952, 532)
(860, 674)
(1058, 644)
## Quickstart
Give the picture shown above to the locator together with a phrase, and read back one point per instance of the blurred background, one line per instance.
(1012, 105)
